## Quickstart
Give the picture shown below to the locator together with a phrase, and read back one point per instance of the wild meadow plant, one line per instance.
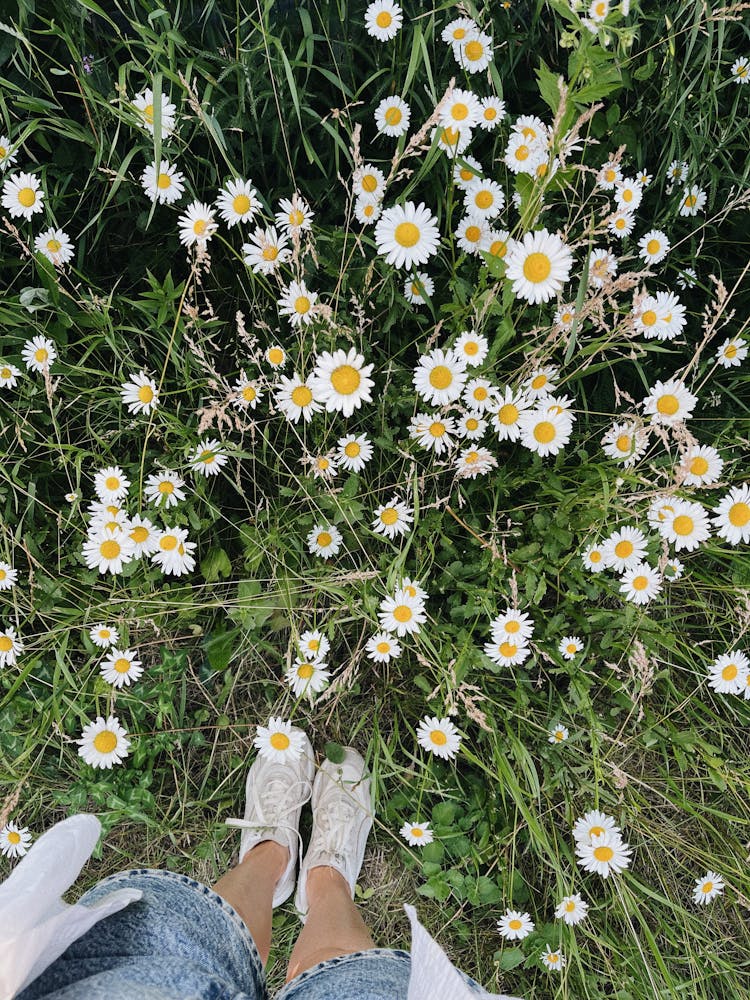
(382, 371)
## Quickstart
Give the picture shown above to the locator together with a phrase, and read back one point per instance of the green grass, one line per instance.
(275, 93)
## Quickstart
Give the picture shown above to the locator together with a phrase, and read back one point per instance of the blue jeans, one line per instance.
(183, 942)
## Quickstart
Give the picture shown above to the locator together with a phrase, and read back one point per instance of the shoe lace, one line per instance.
(334, 828)
(276, 800)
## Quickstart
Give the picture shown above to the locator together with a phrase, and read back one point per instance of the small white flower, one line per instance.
(279, 740)
(439, 736)
(417, 834)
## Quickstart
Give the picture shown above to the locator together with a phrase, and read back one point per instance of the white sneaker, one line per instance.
(275, 794)
(342, 820)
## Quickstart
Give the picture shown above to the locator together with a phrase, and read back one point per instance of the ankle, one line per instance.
(324, 880)
(268, 855)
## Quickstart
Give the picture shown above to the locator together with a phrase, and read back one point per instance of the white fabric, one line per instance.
(433, 975)
(36, 926)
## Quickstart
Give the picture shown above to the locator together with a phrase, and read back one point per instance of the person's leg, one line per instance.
(334, 926)
(249, 888)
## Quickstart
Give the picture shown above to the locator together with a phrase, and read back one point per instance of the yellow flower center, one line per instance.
(739, 514)
(508, 414)
(301, 396)
(544, 432)
(441, 377)
(459, 111)
(512, 627)
(542, 169)
(275, 355)
(596, 831)
(27, 197)
(490, 114)
(484, 199)
(731, 351)
(572, 647)
(640, 582)
(4, 372)
(402, 613)
(302, 305)
(438, 737)
(451, 136)
(148, 113)
(122, 665)
(296, 217)
(499, 248)
(620, 223)
(508, 649)
(164, 181)
(698, 466)
(109, 549)
(653, 246)
(393, 116)
(522, 152)
(324, 539)
(383, 647)
(570, 906)
(459, 34)
(6, 644)
(416, 832)
(105, 742)
(207, 457)
(3, 152)
(472, 458)
(139, 534)
(369, 183)
(515, 924)
(15, 838)
(601, 10)
(406, 234)
(352, 449)
(537, 267)
(668, 404)
(54, 246)
(648, 318)
(166, 487)
(41, 355)
(729, 672)
(595, 556)
(683, 524)
(603, 853)
(146, 394)
(345, 380)
(280, 741)
(305, 671)
(466, 175)
(627, 194)
(623, 549)
(473, 234)
(472, 424)
(249, 393)
(707, 887)
(474, 50)
(270, 252)
(241, 204)
(104, 633)
(389, 515)
(610, 175)
(167, 543)
(384, 18)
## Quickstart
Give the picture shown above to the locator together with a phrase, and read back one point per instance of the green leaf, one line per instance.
(548, 86)
(335, 752)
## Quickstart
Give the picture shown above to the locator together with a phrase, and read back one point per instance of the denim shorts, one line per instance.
(182, 941)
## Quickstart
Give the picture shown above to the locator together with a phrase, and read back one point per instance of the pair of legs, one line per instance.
(334, 926)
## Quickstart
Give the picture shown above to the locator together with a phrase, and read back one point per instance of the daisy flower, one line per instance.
(197, 224)
(324, 540)
(732, 352)
(654, 246)
(673, 570)
(353, 452)
(523, 155)
(265, 250)
(541, 382)
(461, 109)
(451, 140)
(392, 116)
(367, 211)
(323, 466)
(419, 289)
(465, 170)
(237, 202)
(307, 677)
(557, 734)
(279, 741)
(593, 558)
(313, 645)
(602, 267)
(164, 489)
(439, 736)
(108, 551)
(484, 199)
(14, 840)
(382, 648)
(492, 112)
(507, 410)
(473, 52)
(139, 393)
(407, 235)
(628, 194)
(512, 624)
(38, 354)
(686, 526)
(297, 302)
(403, 613)
(515, 925)
(143, 534)
(660, 316)
(570, 646)
(22, 195)
(553, 958)
(440, 377)
(8, 155)
(458, 30)
(341, 381)
(471, 426)
(247, 393)
(728, 673)
(608, 176)
(8, 576)
(538, 266)
(544, 432)
(104, 742)
(625, 442)
(276, 356)
(702, 466)
(383, 20)
(677, 172)
(693, 200)
(472, 234)
(473, 462)
(393, 518)
(687, 277)
(111, 484)
(173, 553)
(640, 583)
(368, 182)
(572, 909)
(56, 246)
(621, 224)
(9, 375)
(10, 646)
(741, 70)
(104, 636)
(165, 185)
(144, 105)
(606, 855)
(413, 589)
(120, 666)
(732, 516)
(669, 402)
(207, 457)
(295, 215)
(507, 651)
(708, 888)
(417, 834)
(471, 347)
(295, 399)
(479, 394)
(593, 824)
(433, 432)
(624, 548)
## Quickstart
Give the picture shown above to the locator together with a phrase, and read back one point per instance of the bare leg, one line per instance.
(334, 926)
(249, 889)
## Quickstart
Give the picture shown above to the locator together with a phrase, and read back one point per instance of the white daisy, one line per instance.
(22, 195)
(167, 185)
(164, 489)
(265, 250)
(324, 540)
(673, 570)
(279, 741)
(544, 432)
(140, 393)
(120, 667)
(640, 584)
(9, 375)
(538, 266)
(417, 834)
(558, 734)
(728, 673)
(197, 224)
(654, 246)
(693, 200)
(353, 452)
(677, 172)
(295, 399)
(276, 356)
(457, 30)
(8, 155)
(238, 202)
(474, 52)
(8, 576)
(624, 548)
(247, 393)
(403, 613)
(570, 646)
(439, 736)
(382, 648)
(472, 347)
(621, 224)
(606, 855)
(173, 552)
(10, 646)
(419, 288)
(512, 624)
(480, 394)
(515, 925)
(451, 140)
(323, 466)
(708, 888)
(104, 636)
(207, 457)
(593, 558)
(669, 402)
(660, 316)
(732, 352)
(702, 465)
(368, 182)
(367, 210)
(297, 302)
(553, 958)
(732, 516)
(625, 442)
(523, 155)
(492, 112)
(473, 234)
(144, 536)
(407, 235)
(484, 199)
(440, 377)
(628, 194)
(104, 742)
(307, 677)
(660, 508)
(602, 267)
(39, 353)
(608, 176)
(393, 518)
(507, 410)
(108, 551)
(341, 381)
(465, 170)
(687, 277)
(383, 19)
(643, 176)
(294, 215)
(541, 382)
(507, 652)
(111, 484)
(593, 824)
(14, 840)
(392, 116)
(686, 526)
(460, 109)
(144, 105)
(473, 462)
(471, 425)
(572, 909)
(56, 246)
(413, 588)
(433, 431)
(740, 70)
(314, 645)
